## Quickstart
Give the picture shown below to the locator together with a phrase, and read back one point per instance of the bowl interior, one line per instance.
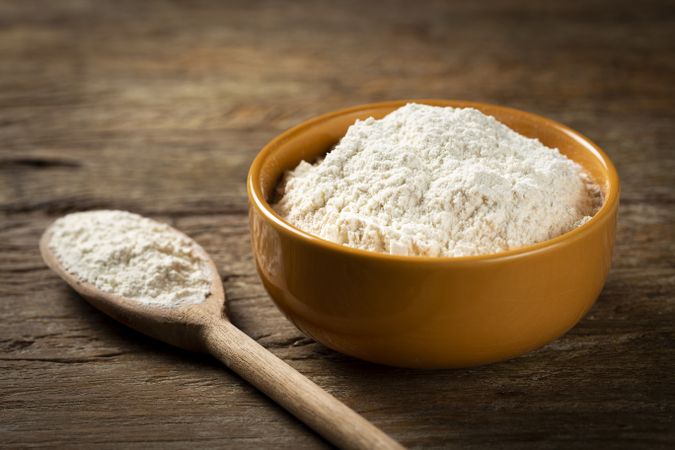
(316, 137)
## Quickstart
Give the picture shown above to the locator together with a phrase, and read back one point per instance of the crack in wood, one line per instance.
(40, 163)
(73, 360)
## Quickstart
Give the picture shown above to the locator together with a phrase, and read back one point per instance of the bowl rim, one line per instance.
(257, 197)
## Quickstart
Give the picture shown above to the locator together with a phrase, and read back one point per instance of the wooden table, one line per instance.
(159, 107)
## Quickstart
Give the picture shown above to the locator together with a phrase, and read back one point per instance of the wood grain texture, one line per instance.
(333, 420)
(159, 107)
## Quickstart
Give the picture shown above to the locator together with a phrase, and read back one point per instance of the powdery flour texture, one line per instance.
(437, 181)
(132, 256)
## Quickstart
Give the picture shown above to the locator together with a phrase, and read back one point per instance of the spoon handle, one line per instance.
(308, 402)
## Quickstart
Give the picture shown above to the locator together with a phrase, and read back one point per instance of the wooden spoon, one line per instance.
(204, 327)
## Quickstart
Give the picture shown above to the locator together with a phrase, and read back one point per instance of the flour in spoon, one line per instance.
(131, 256)
(437, 181)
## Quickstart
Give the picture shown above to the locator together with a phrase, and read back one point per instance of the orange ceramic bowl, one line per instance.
(429, 312)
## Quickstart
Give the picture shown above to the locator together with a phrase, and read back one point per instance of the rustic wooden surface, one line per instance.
(159, 107)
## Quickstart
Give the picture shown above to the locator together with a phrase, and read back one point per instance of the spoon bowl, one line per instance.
(179, 325)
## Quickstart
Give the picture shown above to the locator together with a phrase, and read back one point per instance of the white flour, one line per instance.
(129, 255)
(437, 181)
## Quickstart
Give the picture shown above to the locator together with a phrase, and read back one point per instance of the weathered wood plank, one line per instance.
(159, 107)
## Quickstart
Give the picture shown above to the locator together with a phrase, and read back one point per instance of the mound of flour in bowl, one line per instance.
(437, 181)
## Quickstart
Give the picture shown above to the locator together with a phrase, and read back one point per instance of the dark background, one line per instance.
(159, 108)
